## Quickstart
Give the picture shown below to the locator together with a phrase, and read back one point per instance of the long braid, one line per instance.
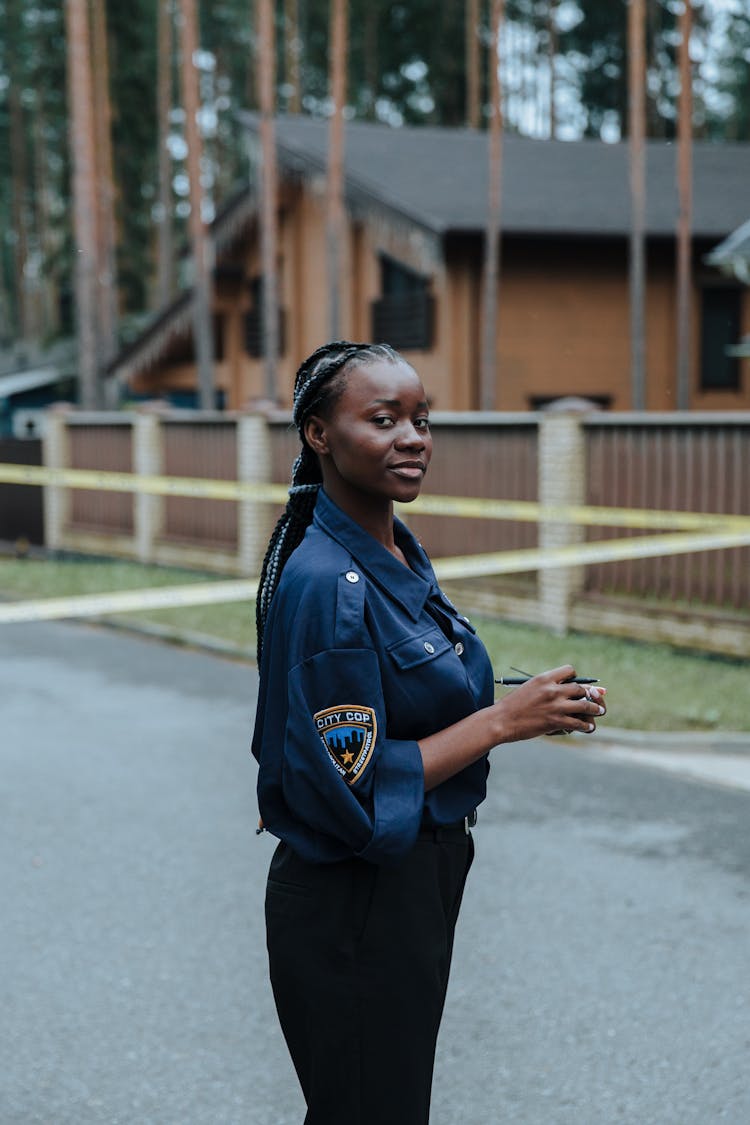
(315, 388)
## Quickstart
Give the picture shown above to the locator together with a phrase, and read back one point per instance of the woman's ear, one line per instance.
(315, 434)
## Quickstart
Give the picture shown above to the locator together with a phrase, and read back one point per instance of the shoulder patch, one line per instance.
(348, 733)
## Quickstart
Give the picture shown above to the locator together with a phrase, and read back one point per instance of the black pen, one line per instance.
(512, 681)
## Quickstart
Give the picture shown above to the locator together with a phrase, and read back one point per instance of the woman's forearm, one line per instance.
(449, 751)
(545, 703)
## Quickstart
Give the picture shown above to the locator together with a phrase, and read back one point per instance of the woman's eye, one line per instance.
(422, 423)
(383, 420)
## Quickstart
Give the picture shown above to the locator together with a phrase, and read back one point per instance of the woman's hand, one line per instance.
(543, 705)
(546, 704)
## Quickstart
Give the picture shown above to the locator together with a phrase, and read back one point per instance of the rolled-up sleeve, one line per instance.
(341, 774)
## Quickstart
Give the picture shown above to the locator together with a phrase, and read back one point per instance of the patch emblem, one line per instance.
(348, 733)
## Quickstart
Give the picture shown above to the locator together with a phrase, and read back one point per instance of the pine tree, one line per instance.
(403, 67)
(80, 92)
(106, 233)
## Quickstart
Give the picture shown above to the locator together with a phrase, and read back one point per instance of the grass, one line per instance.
(232, 623)
(651, 686)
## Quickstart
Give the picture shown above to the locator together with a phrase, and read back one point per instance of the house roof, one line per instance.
(733, 254)
(438, 178)
(20, 381)
(174, 321)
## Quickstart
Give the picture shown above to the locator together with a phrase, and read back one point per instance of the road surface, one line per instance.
(602, 962)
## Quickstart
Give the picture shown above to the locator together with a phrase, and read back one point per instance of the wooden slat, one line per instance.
(99, 446)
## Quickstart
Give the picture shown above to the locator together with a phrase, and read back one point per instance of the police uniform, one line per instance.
(363, 657)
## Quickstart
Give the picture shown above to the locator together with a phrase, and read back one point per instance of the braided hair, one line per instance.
(317, 386)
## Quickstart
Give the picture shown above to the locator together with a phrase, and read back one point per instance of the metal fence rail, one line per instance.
(689, 466)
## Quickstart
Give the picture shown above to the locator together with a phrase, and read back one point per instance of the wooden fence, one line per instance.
(20, 507)
(681, 462)
(675, 462)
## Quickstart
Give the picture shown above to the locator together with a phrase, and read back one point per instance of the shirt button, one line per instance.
(352, 576)
(429, 648)
(459, 649)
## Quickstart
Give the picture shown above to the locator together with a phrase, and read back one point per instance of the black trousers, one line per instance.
(359, 957)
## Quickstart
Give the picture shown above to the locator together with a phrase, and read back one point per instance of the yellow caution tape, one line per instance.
(124, 601)
(529, 511)
(136, 482)
(468, 566)
(610, 550)
(467, 507)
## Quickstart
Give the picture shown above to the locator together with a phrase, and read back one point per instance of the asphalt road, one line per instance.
(602, 966)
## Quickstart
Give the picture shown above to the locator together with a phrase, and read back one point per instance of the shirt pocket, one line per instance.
(411, 652)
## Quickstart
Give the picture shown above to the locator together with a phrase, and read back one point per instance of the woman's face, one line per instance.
(376, 443)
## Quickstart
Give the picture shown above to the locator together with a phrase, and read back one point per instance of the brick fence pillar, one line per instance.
(148, 459)
(254, 467)
(562, 481)
(56, 455)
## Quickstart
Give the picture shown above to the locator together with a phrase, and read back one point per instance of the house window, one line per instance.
(254, 328)
(721, 313)
(404, 314)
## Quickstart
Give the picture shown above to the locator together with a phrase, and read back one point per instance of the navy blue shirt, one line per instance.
(362, 657)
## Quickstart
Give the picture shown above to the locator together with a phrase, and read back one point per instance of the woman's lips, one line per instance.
(410, 470)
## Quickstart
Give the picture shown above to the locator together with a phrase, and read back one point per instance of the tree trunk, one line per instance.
(19, 194)
(165, 229)
(654, 120)
(685, 213)
(292, 55)
(199, 236)
(491, 286)
(19, 176)
(529, 72)
(84, 196)
(371, 57)
(335, 219)
(637, 265)
(473, 111)
(269, 196)
(552, 39)
(107, 304)
(46, 312)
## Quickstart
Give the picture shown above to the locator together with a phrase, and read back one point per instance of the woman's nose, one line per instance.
(410, 437)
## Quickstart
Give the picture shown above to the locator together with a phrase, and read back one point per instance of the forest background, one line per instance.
(564, 74)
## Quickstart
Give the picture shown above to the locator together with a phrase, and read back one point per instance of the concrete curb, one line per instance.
(182, 637)
(685, 742)
(698, 742)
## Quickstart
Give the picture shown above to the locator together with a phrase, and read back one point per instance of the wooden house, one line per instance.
(416, 204)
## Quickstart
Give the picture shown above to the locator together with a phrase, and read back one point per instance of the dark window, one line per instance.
(66, 311)
(254, 329)
(721, 310)
(405, 313)
(396, 278)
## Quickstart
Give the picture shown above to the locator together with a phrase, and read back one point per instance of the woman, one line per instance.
(375, 720)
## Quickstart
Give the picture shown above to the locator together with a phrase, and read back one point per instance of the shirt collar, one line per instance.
(409, 586)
